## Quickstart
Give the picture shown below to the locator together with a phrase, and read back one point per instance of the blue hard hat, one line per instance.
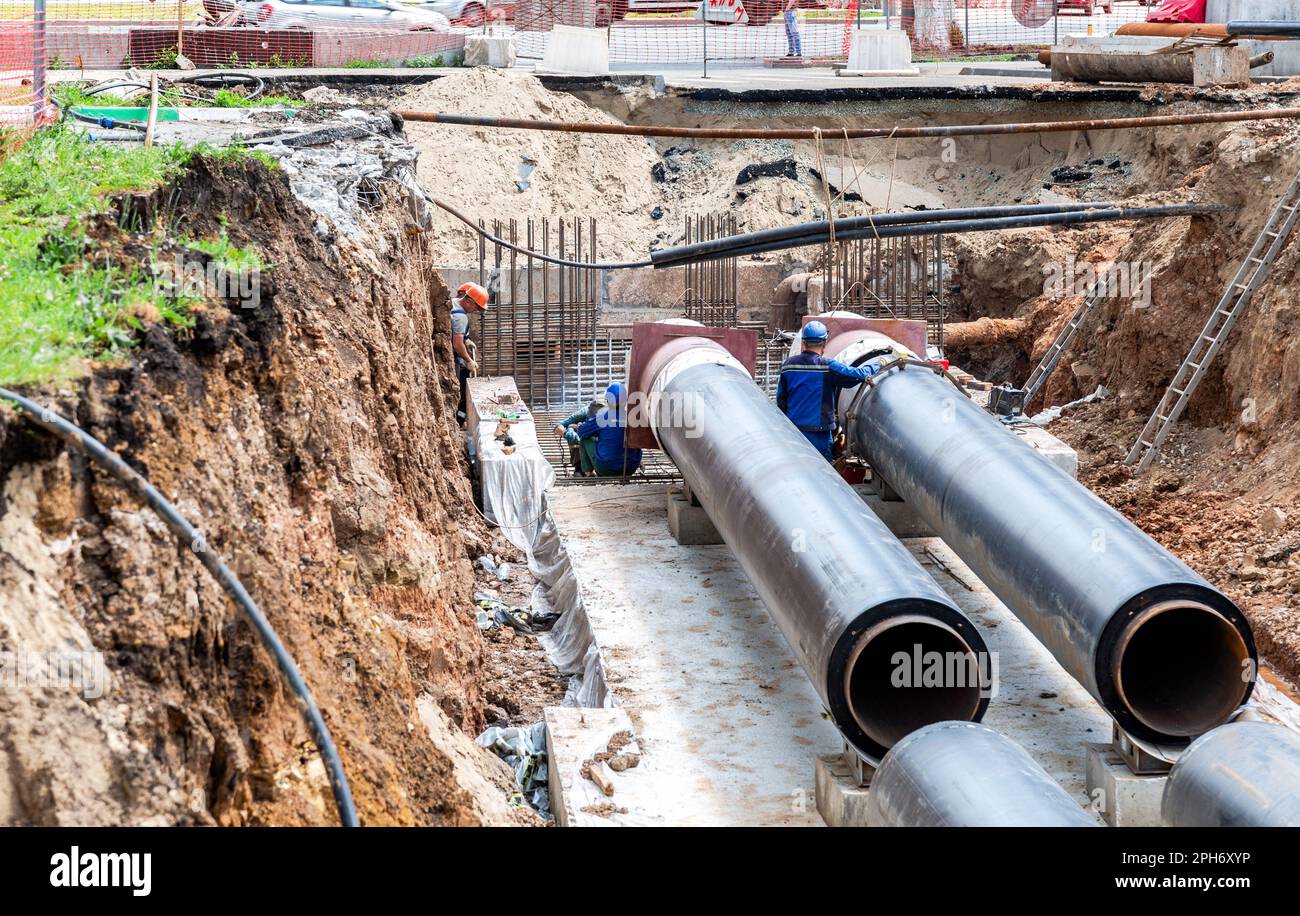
(614, 393)
(815, 332)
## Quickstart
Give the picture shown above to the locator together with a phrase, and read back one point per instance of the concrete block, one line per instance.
(1286, 54)
(690, 525)
(880, 52)
(841, 798)
(1125, 800)
(573, 736)
(575, 50)
(898, 516)
(1047, 445)
(489, 51)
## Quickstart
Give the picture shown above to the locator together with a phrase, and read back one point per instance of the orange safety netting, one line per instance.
(94, 35)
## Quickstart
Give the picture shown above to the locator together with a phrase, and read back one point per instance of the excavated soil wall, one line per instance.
(313, 440)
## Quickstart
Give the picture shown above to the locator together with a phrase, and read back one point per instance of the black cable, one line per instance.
(626, 265)
(187, 534)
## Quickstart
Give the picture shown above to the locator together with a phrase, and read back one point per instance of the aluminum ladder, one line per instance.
(1250, 276)
(1099, 291)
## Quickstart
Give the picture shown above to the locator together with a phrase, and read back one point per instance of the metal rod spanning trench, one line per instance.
(192, 538)
(846, 593)
(960, 774)
(834, 132)
(1163, 651)
(1245, 774)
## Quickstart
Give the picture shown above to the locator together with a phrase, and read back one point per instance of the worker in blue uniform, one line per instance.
(613, 458)
(810, 384)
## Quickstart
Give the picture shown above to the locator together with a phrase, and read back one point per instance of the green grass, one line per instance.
(71, 94)
(227, 255)
(371, 64)
(227, 98)
(61, 303)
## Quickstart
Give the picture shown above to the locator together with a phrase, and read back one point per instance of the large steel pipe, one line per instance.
(1245, 774)
(1166, 654)
(855, 606)
(959, 774)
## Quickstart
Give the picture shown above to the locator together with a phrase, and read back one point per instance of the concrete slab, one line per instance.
(1122, 799)
(573, 737)
(1047, 445)
(730, 725)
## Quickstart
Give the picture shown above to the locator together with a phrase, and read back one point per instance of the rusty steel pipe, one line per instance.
(850, 133)
(846, 594)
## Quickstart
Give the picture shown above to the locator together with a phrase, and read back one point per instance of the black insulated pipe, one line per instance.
(1263, 28)
(959, 774)
(1163, 651)
(857, 609)
(1244, 774)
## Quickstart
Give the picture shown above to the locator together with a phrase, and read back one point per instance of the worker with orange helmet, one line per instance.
(470, 298)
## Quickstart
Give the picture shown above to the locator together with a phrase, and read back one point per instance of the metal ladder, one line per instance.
(1250, 276)
(1099, 291)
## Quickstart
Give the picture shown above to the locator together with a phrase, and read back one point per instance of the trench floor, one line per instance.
(728, 722)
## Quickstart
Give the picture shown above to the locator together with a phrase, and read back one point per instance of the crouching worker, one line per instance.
(582, 452)
(612, 457)
(810, 384)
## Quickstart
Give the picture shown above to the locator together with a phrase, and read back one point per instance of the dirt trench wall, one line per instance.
(1134, 347)
(313, 440)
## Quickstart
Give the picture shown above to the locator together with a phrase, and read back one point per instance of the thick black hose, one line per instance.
(186, 533)
(742, 245)
(846, 223)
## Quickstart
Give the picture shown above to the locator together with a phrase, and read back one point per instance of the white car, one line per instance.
(471, 12)
(355, 14)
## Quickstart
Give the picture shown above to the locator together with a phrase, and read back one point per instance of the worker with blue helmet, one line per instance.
(612, 458)
(810, 384)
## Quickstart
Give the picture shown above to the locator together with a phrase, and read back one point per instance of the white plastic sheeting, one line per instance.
(514, 497)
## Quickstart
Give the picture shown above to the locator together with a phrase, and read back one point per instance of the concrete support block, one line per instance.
(841, 798)
(690, 525)
(575, 50)
(880, 52)
(897, 515)
(1125, 800)
(489, 51)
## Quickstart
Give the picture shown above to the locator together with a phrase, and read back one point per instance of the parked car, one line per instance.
(1087, 7)
(356, 14)
(471, 12)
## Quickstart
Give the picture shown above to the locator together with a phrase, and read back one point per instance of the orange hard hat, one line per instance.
(475, 292)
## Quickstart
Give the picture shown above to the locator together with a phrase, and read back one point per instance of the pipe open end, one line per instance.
(1182, 668)
(908, 671)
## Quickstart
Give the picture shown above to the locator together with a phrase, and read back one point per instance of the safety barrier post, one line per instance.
(38, 57)
(704, 23)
